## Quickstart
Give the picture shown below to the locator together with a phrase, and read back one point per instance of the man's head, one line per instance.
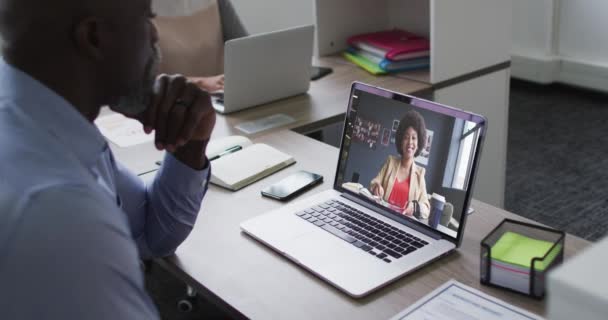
(92, 52)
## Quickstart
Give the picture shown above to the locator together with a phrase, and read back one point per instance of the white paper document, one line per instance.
(456, 301)
(122, 131)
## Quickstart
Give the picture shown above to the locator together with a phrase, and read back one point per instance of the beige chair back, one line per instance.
(192, 45)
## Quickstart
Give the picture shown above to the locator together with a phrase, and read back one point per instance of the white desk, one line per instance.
(250, 280)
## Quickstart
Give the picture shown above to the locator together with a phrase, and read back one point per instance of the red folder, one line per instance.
(393, 44)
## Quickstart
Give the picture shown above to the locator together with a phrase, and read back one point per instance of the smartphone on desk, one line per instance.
(317, 73)
(293, 185)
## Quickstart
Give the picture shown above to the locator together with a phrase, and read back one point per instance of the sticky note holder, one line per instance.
(517, 256)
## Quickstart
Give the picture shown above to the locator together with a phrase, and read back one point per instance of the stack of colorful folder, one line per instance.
(389, 51)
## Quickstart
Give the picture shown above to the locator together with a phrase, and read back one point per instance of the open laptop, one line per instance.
(359, 242)
(265, 67)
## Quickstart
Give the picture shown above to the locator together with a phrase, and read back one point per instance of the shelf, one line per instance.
(422, 75)
(465, 35)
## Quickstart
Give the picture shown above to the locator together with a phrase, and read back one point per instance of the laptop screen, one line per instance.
(413, 158)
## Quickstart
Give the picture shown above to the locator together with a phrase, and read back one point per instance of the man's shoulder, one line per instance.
(31, 158)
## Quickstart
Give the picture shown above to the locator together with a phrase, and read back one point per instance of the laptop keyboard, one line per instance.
(362, 230)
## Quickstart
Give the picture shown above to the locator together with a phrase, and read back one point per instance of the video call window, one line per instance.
(414, 161)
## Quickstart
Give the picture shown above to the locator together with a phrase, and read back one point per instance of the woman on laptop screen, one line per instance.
(400, 181)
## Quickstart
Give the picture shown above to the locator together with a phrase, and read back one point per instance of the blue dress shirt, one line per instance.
(73, 222)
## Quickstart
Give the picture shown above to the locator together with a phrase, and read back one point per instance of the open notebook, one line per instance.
(237, 162)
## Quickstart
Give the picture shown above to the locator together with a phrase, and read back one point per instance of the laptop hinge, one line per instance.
(392, 216)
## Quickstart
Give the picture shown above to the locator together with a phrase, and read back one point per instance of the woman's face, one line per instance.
(409, 145)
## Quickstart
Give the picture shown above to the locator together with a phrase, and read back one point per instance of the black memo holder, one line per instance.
(537, 275)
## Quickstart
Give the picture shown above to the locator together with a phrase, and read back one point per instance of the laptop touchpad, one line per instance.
(338, 262)
(321, 247)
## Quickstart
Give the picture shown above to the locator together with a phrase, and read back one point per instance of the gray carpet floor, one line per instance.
(557, 162)
(557, 174)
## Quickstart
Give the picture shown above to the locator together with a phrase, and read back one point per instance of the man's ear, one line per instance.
(90, 38)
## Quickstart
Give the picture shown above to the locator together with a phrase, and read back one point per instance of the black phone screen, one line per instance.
(319, 72)
(292, 185)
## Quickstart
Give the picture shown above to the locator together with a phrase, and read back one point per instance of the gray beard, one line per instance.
(138, 100)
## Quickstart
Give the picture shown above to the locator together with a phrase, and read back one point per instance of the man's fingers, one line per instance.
(179, 112)
(149, 117)
(180, 115)
(173, 91)
(191, 122)
(175, 119)
(198, 113)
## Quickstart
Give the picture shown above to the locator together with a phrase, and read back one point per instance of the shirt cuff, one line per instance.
(182, 179)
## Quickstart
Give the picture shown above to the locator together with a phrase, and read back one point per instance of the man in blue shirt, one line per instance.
(73, 222)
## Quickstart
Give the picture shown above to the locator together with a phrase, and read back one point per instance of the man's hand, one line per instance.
(209, 84)
(179, 112)
(183, 118)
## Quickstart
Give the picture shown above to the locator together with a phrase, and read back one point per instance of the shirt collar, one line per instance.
(52, 113)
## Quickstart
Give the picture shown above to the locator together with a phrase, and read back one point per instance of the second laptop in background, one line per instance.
(266, 67)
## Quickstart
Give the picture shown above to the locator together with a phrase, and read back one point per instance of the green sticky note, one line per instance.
(519, 250)
(364, 63)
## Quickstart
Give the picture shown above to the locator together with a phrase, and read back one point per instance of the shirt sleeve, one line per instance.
(162, 213)
(72, 257)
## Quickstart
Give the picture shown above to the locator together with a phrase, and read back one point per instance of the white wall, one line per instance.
(257, 15)
(532, 27)
(583, 30)
(561, 41)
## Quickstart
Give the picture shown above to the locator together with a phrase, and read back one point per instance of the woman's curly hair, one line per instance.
(416, 121)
